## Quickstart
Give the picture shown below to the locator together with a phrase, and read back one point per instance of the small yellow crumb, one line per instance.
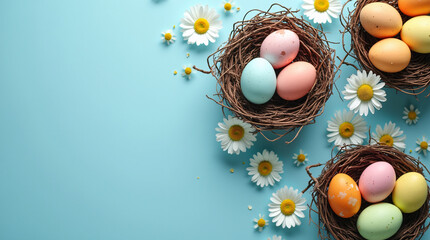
(243, 163)
(249, 207)
(188, 55)
(198, 178)
(174, 26)
(410, 151)
(231, 170)
(238, 9)
(175, 72)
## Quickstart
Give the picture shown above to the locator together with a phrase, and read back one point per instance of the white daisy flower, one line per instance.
(423, 146)
(390, 135)
(287, 207)
(200, 25)
(275, 237)
(235, 135)
(346, 128)
(168, 37)
(411, 115)
(260, 223)
(265, 168)
(365, 92)
(321, 11)
(187, 71)
(300, 158)
(228, 6)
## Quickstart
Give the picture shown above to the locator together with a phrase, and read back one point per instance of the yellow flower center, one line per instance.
(236, 132)
(288, 207)
(201, 26)
(168, 36)
(227, 6)
(321, 5)
(386, 140)
(264, 168)
(301, 158)
(365, 92)
(412, 115)
(188, 70)
(424, 145)
(261, 222)
(346, 129)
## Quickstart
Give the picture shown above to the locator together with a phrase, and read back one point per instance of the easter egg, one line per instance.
(280, 47)
(414, 8)
(380, 20)
(390, 55)
(344, 196)
(258, 81)
(416, 34)
(296, 80)
(410, 192)
(379, 221)
(377, 181)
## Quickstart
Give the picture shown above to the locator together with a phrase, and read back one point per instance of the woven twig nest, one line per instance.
(352, 160)
(243, 45)
(414, 79)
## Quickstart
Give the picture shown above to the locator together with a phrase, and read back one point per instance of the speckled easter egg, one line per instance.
(296, 80)
(379, 221)
(280, 47)
(410, 192)
(380, 20)
(377, 181)
(258, 81)
(344, 196)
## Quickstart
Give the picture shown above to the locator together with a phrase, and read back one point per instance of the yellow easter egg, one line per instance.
(410, 192)
(416, 34)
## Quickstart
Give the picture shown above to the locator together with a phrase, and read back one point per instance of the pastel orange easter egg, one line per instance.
(344, 196)
(414, 8)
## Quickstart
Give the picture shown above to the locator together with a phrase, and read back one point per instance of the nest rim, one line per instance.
(277, 116)
(330, 225)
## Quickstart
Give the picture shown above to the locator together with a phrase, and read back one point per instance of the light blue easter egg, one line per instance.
(258, 81)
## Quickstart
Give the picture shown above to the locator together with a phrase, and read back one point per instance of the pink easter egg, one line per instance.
(377, 181)
(296, 80)
(280, 48)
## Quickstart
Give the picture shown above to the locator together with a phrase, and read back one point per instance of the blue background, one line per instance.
(99, 140)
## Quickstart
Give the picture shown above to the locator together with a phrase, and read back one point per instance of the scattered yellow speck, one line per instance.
(174, 26)
(198, 178)
(238, 9)
(249, 207)
(175, 72)
(188, 55)
(410, 151)
(231, 170)
(188, 71)
(243, 163)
